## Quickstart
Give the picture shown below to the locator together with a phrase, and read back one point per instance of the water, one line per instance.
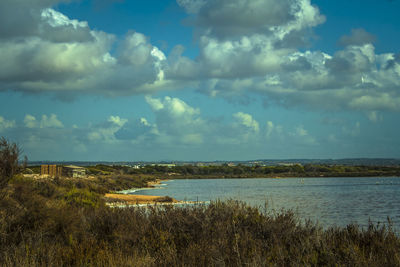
(330, 201)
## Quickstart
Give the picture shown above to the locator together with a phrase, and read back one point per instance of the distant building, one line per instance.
(287, 164)
(51, 170)
(169, 165)
(66, 171)
(74, 171)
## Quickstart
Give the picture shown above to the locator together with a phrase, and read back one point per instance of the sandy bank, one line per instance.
(155, 183)
(139, 199)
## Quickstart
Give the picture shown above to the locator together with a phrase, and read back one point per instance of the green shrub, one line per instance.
(82, 198)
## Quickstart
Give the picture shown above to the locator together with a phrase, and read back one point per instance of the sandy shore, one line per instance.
(139, 199)
(156, 182)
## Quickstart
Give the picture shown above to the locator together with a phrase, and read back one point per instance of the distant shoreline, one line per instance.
(255, 176)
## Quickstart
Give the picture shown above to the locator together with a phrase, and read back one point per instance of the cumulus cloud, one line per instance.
(6, 124)
(244, 39)
(48, 52)
(50, 122)
(354, 78)
(30, 121)
(20, 18)
(227, 18)
(269, 128)
(247, 121)
(46, 122)
(245, 46)
(301, 136)
(176, 119)
(357, 37)
(105, 132)
(138, 130)
(175, 123)
(243, 50)
(300, 131)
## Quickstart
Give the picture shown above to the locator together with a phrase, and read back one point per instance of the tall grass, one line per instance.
(54, 223)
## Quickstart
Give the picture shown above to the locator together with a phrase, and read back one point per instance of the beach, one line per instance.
(139, 199)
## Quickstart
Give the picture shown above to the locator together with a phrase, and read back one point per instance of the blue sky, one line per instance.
(200, 79)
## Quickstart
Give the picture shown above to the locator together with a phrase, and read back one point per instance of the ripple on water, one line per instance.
(331, 201)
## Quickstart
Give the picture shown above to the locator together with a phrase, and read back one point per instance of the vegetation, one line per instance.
(242, 171)
(43, 224)
(9, 155)
(152, 172)
(65, 222)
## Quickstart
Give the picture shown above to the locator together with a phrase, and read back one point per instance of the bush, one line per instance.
(82, 198)
(9, 155)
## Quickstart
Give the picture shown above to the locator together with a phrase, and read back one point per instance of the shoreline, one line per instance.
(138, 199)
(292, 176)
(123, 198)
(155, 183)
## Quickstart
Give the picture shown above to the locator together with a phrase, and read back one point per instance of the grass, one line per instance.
(64, 222)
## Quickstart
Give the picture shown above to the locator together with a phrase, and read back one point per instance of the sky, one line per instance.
(203, 80)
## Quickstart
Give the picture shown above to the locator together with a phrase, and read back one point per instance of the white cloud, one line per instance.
(354, 79)
(247, 38)
(192, 6)
(300, 131)
(30, 121)
(154, 103)
(274, 131)
(6, 124)
(137, 131)
(46, 122)
(301, 136)
(144, 122)
(179, 125)
(50, 122)
(243, 50)
(117, 120)
(56, 19)
(105, 132)
(176, 119)
(227, 18)
(247, 121)
(245, 46)
(48, 52)
(269, 128)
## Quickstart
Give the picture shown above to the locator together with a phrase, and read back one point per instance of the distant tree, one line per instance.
(9, 155)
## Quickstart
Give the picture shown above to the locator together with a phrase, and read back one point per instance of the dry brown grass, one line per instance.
(138, 199)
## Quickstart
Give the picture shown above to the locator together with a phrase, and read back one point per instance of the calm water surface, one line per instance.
(331, 201)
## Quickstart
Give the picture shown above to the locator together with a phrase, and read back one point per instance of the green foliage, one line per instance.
(242, 171)
(9, 155)
(82, 198)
